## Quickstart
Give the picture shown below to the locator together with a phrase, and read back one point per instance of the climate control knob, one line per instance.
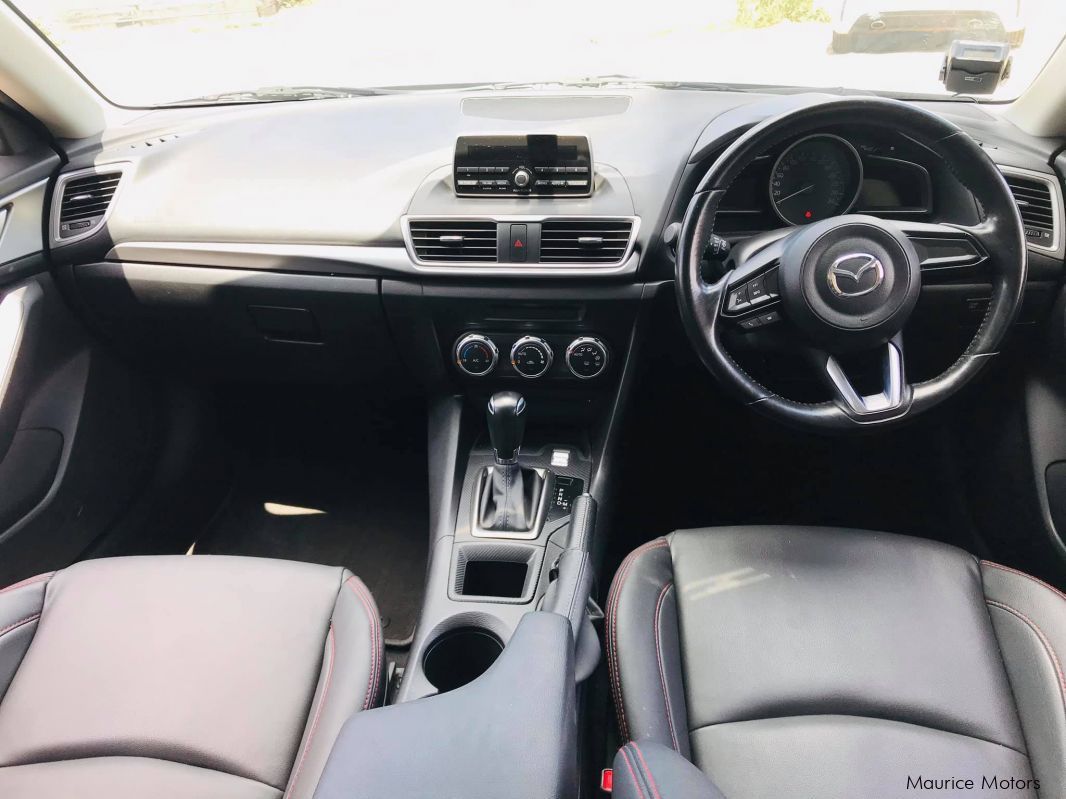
(522, 177)
(586, 357)
(531, 356)
(476, 354)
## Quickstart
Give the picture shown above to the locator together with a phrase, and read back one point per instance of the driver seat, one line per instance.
(801, 661)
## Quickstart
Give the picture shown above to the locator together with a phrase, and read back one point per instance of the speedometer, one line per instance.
(815, 178)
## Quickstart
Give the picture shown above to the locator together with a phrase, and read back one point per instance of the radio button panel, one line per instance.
(535, 165)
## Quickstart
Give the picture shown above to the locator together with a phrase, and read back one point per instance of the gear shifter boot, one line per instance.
(510, 498)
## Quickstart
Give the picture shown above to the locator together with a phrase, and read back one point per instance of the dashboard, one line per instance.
(535, 222)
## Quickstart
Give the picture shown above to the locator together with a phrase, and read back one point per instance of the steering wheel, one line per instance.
(848, 284)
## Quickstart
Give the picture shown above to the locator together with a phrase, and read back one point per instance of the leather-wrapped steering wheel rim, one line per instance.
(1000, 235)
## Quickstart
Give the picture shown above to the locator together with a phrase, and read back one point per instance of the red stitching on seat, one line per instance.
(1043, 639)
(612, 627)
(662, 669)
(375, 654)
(1036, 580)
(644, 766)
(632, 773)
(26, 620)
(27, 581)
(318, 713)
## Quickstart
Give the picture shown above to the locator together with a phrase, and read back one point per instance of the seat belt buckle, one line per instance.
(607, 780)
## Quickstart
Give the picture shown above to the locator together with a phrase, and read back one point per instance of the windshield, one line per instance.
(154, 52)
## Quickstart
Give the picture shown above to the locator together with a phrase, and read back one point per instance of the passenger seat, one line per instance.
(173, 677)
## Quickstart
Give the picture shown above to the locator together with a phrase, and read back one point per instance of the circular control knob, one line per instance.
(531, 356)
(476, 354)
(522, 177)
(586, 357)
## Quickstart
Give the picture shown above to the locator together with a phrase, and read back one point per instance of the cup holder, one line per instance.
(460, 656)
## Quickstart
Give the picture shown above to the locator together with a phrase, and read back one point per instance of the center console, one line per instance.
(521, 504)
(522, 327)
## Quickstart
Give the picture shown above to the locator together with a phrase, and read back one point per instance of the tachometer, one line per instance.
(815, 178)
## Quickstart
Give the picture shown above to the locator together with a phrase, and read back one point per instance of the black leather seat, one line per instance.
(789, 662)
(170, 677)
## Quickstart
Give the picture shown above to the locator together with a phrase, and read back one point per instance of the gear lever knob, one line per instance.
(507, 424)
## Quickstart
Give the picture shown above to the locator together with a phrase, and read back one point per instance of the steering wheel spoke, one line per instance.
(891, 400)
(949, 251)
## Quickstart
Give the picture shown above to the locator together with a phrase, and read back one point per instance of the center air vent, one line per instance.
(584, 241)
(454, 241)
(84, 199)
(1038, 207)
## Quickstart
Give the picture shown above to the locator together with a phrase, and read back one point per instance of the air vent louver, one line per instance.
(447, 241)
(85, 201)
(1037, 208)
(584, 241)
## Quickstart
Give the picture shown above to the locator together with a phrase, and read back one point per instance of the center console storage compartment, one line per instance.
(495, 578)
(500, 571)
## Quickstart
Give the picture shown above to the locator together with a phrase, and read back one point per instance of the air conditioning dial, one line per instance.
(531, 357)
(476, 354)
(586, 357)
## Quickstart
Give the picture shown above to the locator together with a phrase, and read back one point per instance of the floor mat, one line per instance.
(709, 461)
(343, 490)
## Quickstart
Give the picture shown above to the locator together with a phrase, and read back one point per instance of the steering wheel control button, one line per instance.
(757, 291)
(755, 322)
(519, 244)
(754, 293)
(772, 287)
(586, 357)
(531, 357)
(738, 299)
(476, 355)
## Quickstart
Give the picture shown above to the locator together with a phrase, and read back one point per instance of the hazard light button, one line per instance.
(519, 244)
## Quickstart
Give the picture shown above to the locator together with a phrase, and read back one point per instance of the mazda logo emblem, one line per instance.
(855, 274)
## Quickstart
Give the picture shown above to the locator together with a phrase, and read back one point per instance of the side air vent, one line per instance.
(447, 241)
(1038, 203)
(83, 201)
(584, 241)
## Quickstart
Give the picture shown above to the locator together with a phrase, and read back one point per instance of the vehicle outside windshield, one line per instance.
(154, 52)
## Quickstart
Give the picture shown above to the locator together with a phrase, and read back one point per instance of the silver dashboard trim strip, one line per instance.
(374, 260)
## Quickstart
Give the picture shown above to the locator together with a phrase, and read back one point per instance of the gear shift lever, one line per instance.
(510, 495)
(507, 425)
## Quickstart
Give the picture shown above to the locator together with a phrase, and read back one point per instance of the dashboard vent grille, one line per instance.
(585, 241)
(1037, 208)
(449, 241)
(85, 200)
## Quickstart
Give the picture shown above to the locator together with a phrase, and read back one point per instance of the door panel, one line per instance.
(75, 424)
